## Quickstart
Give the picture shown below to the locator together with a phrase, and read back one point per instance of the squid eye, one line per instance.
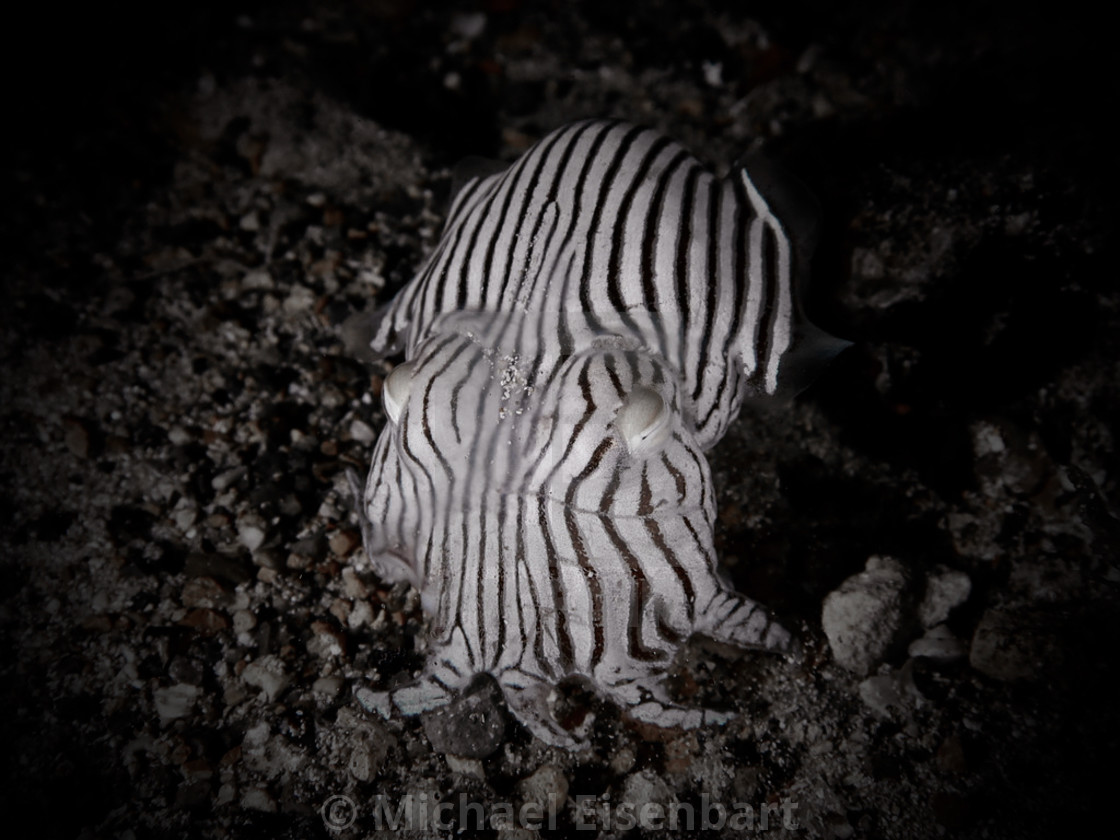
(643, 420)
(394, 391)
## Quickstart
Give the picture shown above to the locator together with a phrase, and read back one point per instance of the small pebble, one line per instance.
(946, 589)
(344, 541)
(950, 755)
(472, 725)
(938, 644)
(267, 674)
(361, 432)
(466, 766)
(885, 694)
(179, 436)
(548, 787)
(223, 480)
(327, 686)
(203, 592)
(175, 701)
(243, 621)
(206, 621)
(363, 764)
(258, 799)
(1010, 644)
(77, 437)
(623, 761)
(251, 531)
(468, 25)
(353, 585)
(863, 617)
(645, 789)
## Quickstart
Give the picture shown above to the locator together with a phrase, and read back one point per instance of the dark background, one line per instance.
(963, 157)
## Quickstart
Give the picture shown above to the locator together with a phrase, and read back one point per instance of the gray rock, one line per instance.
(258, 799)
(224, 480)
(864, 616)
(892, 694)
(175, 701)
(251, 531)
(363, 743)
(1045, 579)
(648, 790)
(1012, 644)
(465, 766)
(361, 432)
(366, 756)
(268, 674)
(547, 787)
(946, 589)
(938, 644)
(472, 725)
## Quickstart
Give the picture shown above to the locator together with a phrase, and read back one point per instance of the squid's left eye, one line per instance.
(643, 420)
(394, 392)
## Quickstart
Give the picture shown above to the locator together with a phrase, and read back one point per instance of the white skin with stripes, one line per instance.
(586, 328)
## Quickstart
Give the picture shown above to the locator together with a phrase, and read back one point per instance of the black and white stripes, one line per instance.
(606, 228)
(587, 326)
